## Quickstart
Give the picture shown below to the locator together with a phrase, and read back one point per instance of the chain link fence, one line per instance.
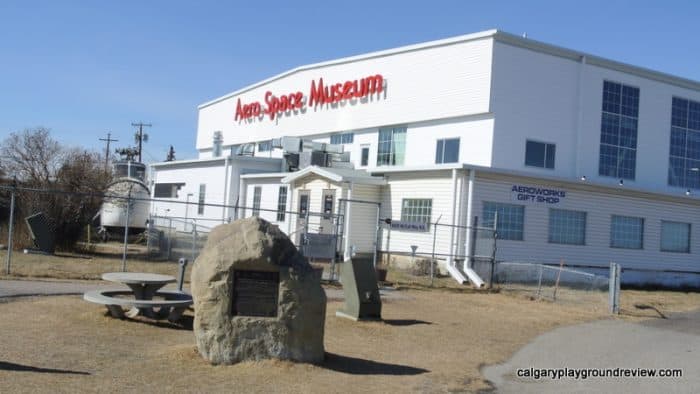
(553, 283)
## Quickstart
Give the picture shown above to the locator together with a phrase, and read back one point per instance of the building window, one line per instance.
(626, 232)
(684, 157)
(618, 131)
(567, 227)
(675, 237)
(364, 159)
(200, 201)
(539, 154)
(282, 203)
(416, 210)
(218, 144)
(511, 219)
(167, 190)
(447, 151)
(392, 146)
(265, 146)
(344, 138)
(257, 194)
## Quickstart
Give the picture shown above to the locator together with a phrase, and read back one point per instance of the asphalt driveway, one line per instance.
(657, 344)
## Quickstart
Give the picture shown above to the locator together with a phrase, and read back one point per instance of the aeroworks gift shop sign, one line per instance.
(537, 194)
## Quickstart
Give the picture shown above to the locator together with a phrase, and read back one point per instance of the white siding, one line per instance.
(599, 206)
(268, 200)
(435, 185)
(432, 83)
(538, 96)
(364, 218)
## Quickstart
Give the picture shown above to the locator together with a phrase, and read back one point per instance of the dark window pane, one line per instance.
(677, 142)
(365, 157)
(610, 129)
(549, 159)
(534, 154)
(439, 150)
(451, 150)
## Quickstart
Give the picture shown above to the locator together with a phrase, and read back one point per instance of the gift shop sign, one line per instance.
(537, 194)
(319, 93)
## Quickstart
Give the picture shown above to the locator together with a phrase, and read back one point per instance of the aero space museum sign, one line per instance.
(319, 93)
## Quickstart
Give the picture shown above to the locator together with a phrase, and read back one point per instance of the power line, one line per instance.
(108, 140)
(140, 136)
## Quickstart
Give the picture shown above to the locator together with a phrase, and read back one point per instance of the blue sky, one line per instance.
(83, 68)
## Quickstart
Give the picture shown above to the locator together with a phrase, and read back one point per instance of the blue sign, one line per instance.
(537, 194)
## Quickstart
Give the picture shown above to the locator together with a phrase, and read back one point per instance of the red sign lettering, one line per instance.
(319, 94)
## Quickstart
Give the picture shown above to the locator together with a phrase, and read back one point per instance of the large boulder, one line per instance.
(241, 312)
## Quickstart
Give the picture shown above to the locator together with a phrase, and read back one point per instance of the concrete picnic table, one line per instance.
(143, 285)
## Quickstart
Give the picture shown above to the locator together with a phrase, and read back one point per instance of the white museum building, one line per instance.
(583, 159)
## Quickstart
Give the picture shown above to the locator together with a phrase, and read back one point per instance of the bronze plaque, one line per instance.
(255, 293)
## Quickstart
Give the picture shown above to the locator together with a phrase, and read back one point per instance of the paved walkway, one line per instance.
(657, 343)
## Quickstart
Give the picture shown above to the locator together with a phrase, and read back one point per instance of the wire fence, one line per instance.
(553, 283)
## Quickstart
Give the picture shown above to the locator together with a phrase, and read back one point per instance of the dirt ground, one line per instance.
(430, 341)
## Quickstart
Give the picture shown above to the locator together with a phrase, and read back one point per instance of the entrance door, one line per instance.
(302, 209)
(328, 201)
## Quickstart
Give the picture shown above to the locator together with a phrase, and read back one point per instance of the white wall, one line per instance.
(435, 185)
(363, 217)
(538, 96)
(599, 205)
(433, 83)
(268, 201)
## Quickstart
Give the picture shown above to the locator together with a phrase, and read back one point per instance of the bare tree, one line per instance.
(66, 176)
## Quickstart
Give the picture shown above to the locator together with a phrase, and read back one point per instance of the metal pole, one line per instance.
(493, 250)
(472, 245)
(432, 259)
(170, 237)
(614, 288)
(10, 230)
(376, 235)
(126, 229)
(194, 238)
(181, 275)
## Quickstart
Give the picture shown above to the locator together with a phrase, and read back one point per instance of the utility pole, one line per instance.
(140, 136)
(108, 140)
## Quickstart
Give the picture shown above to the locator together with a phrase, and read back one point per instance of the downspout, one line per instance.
(348, 214)
(290, 208)
(579, 119)
(451, 259)
(226, 180)
(470, 204)
(473, 277)
(241, 197)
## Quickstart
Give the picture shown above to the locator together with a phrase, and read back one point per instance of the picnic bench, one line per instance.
(144, 287)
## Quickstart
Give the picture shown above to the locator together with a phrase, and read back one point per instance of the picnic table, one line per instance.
(144, 287)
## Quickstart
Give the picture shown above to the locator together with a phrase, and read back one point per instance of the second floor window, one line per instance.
(539, 154)
(344, 138)
(447, 151)
(618, 131)
(391, 149)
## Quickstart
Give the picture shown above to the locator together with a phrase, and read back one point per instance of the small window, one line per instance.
(675, 237)
(218, 143)
(257, 194)
(200, 201)
(447, 151)
(344, 138)
(282, 204)
(167, 190)
(511, 219)
(567, 227)
(417, 210)
(539, 154)
(265, 146)
(626, 232)
(364, 160)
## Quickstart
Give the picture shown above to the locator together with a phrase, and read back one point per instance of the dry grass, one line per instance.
(430, 341)
(81, 266)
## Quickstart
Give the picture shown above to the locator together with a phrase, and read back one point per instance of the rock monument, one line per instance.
(256, 297)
